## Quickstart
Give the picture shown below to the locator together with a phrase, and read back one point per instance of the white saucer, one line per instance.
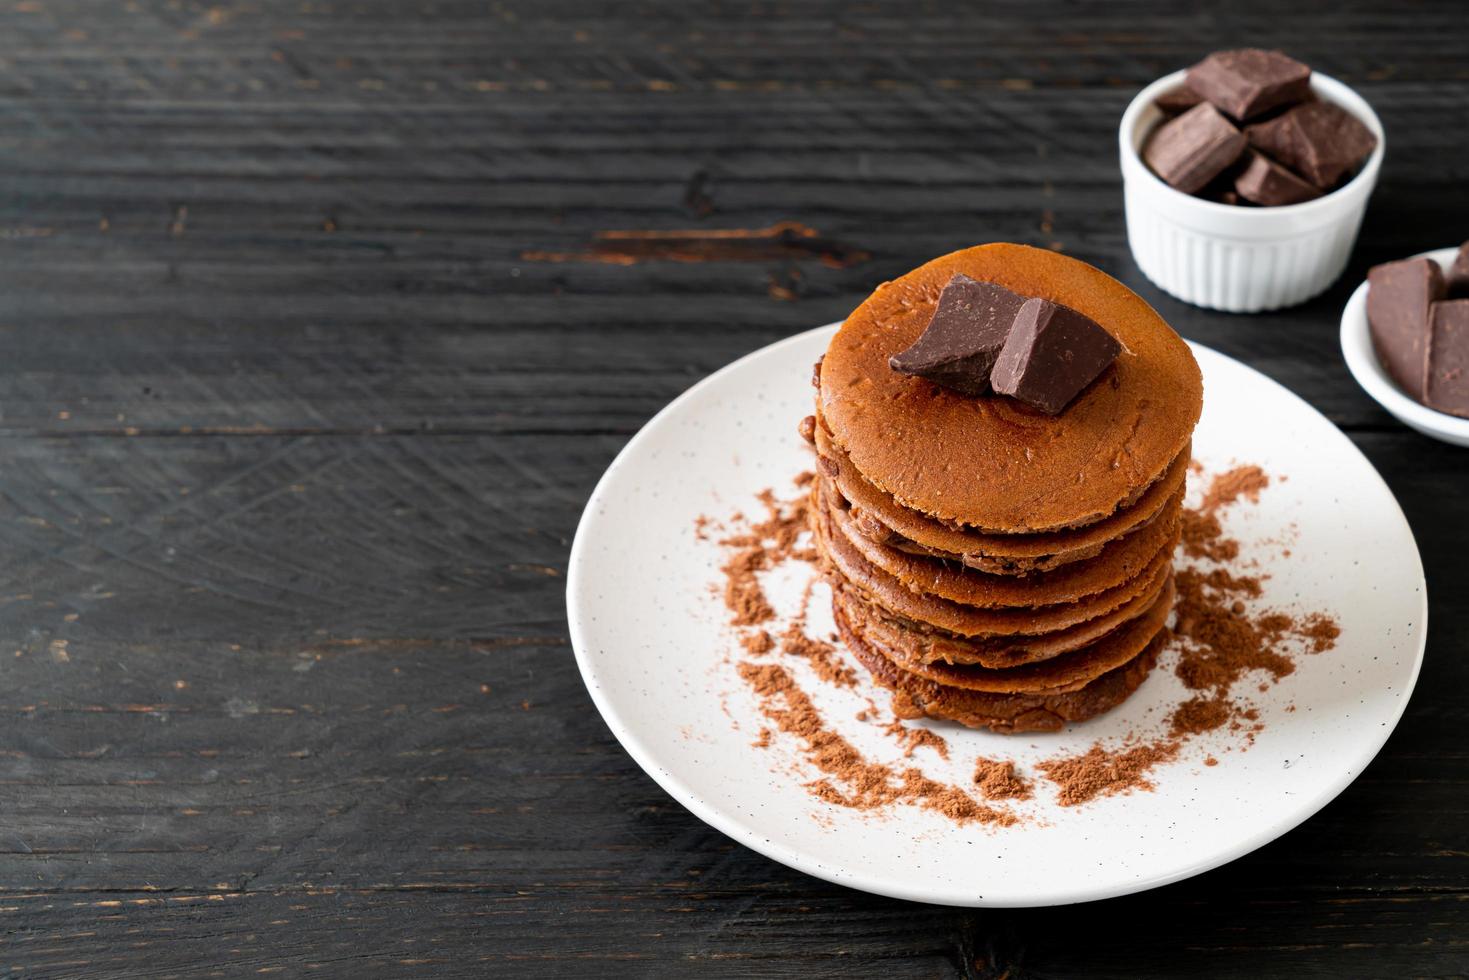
(657, 658)
(1356, 347)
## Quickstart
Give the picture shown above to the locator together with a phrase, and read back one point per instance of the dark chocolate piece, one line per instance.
(1399, 295)
(1179, 100)
(1457, 280)
(1052, 353)
(1193, 149)
(959, 346)
(1321, 141)
(1448, 358)
(1268, 183)
(1221, 189)
(1249, 81)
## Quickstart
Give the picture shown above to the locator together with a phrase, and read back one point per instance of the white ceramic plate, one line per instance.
(655, 654)
(1356, 347)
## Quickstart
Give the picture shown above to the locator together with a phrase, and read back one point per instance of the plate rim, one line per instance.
(732, 827)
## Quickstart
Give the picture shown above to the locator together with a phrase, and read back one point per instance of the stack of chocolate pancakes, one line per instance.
(990, 563)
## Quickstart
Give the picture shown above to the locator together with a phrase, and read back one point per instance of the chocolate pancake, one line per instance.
(1119, 560)
(996, 554)
(1057, 675)
(932, 645)
(895, 597)
(1007, 714)
(990, 462)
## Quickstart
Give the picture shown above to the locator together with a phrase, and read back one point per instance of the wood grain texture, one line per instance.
(319, 321)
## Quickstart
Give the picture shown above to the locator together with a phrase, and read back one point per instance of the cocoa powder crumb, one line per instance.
(913, 738)
(1198, 715)
(757, 642)
(1202, 536)
(1231, 485)
(743, 594)
(1210, 761)
(1321, 631)
(821, 655)
(1224, 643)
(1099, 772)
(761, 546)
(998, 779)
(1223, 581)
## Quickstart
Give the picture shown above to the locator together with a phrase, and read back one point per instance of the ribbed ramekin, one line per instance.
(1240, 259)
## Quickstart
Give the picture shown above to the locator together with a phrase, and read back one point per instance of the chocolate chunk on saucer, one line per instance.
(1457, 280)
(1189, 151)
(1249, 81)
(1448, 358)
(1266, 182)
(959, 346)
(1400, 296)
(1052, 353)
(1321, 141)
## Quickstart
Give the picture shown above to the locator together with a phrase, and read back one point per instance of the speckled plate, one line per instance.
(657, 658)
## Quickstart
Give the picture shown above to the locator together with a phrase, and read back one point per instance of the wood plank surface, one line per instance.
(318, 323)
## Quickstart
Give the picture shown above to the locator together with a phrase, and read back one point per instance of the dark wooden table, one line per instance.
(318, 322)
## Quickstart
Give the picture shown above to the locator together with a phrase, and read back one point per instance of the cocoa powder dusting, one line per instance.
(1321, 630)
(743, 594)
(1224, 642)
(1217, 635)
(1100, 772)
(914, 738)
(757, 642)
(763, 545)
(1202, 536)
(851, 780)
(1198, 715)
(1231, 485)
(997, 779)
(821, 655)
(1218, 639)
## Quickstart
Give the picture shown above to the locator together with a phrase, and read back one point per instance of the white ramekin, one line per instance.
(1240, 259)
